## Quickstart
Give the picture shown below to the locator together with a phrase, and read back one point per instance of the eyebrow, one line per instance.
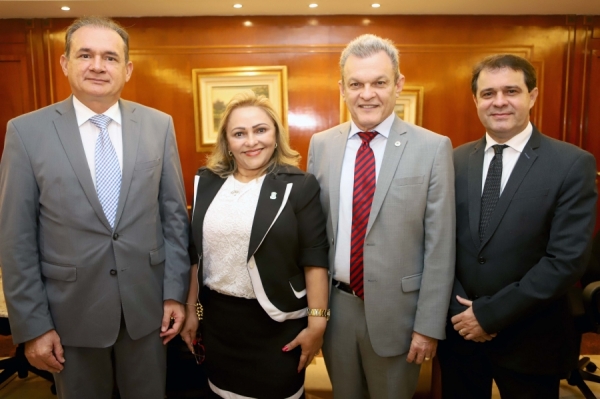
(89, 50)
(501, 88)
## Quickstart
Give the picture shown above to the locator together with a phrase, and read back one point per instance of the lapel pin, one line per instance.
(397, 144)
(273, 195)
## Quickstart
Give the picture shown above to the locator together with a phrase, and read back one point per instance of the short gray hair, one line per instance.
(367, 45)
(97, 22)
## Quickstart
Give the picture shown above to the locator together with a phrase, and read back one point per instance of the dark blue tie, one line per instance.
(491, 189)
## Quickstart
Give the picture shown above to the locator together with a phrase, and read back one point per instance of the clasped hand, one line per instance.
(467, 325)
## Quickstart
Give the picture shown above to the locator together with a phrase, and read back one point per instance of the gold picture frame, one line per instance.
(409, 106)
(214, 87)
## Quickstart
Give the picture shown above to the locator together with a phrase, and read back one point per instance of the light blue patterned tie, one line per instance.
(108, 171)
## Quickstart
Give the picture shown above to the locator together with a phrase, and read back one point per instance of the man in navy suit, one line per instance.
(525, 211)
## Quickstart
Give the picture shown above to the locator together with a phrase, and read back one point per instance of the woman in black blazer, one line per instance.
(259, 236)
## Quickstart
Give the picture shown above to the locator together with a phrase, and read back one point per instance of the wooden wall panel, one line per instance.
(16, 80)
(437, 52)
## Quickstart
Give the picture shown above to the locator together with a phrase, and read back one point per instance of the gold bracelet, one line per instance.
(199, 309)
(319, 312)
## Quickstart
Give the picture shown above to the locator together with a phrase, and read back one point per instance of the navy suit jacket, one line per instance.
(536, 246)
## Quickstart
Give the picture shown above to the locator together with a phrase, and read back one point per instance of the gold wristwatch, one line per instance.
(319, 313)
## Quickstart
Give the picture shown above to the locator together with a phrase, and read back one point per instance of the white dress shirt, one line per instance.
(510, 155)
(344, 229)
(89, 132)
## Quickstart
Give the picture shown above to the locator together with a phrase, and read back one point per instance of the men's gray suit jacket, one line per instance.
(63, 266)
(410, 240)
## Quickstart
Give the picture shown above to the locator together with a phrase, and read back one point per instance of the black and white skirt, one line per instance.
(244, 357)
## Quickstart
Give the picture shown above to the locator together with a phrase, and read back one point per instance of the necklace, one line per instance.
(235, 191)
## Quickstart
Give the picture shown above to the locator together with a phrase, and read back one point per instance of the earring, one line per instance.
(275, 145)
(230, 153)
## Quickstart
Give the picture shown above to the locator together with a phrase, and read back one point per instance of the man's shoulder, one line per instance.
(559, 148)
(419, 132)
(48, 112)
(143, 110)
(331, 132)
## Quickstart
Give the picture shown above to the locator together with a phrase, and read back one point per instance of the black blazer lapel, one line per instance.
(474, 187)
(208, 187)
(524, 163)
(270, 200)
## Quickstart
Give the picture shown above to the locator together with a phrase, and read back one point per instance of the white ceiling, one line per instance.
(143, 8)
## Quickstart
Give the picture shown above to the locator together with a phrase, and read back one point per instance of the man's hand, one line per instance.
(173, 311)
(422, 348)
(467, 325)
(45, 352)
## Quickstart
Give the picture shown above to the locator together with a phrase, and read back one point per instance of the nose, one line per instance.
(97, 64)
(251, 140)
(499, 99)
(367, 92)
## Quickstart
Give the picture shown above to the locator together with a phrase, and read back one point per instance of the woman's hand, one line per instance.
(310, 340)
(190, 326)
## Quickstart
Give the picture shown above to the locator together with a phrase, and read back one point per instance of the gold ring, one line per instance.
(461, 332)
(427, 359)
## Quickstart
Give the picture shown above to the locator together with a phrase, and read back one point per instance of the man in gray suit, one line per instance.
(93, 227)
(387, 189)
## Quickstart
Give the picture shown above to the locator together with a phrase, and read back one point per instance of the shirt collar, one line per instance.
(383, 128)
(83, 113)
(517, 142)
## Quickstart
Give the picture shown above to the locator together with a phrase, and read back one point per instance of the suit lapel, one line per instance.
(70, 138)
(131, 138)
(270, 199)
(389, 165)
(336, 154)
(524, 163)
(209, 185)
(474, 188)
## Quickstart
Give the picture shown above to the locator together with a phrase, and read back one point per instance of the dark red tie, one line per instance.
(364, 189)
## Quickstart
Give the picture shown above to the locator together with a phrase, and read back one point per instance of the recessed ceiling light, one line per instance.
(237, 6)
(65, 8)
(247, 23)
(375, 5)
(313, 5)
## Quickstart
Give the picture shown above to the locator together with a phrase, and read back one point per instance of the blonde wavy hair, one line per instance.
(219, 161)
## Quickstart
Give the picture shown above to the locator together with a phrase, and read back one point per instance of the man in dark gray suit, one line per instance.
(93, 227)
(387, 317)
(525, 212)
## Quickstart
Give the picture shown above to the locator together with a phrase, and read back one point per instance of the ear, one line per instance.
(129, 68)
(533, 94)
(342, 88)
(64, 62)
(475, 99)
(399, 85)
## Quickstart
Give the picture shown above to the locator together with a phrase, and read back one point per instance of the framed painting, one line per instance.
(214, 87)
(409, 106)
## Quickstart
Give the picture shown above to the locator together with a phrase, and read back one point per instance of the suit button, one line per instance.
(113, 272)
(115, 236)
(481, 260)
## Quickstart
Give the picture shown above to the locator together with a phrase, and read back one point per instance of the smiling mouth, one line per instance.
(254, 152)
(368, 106)
(97, 80)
